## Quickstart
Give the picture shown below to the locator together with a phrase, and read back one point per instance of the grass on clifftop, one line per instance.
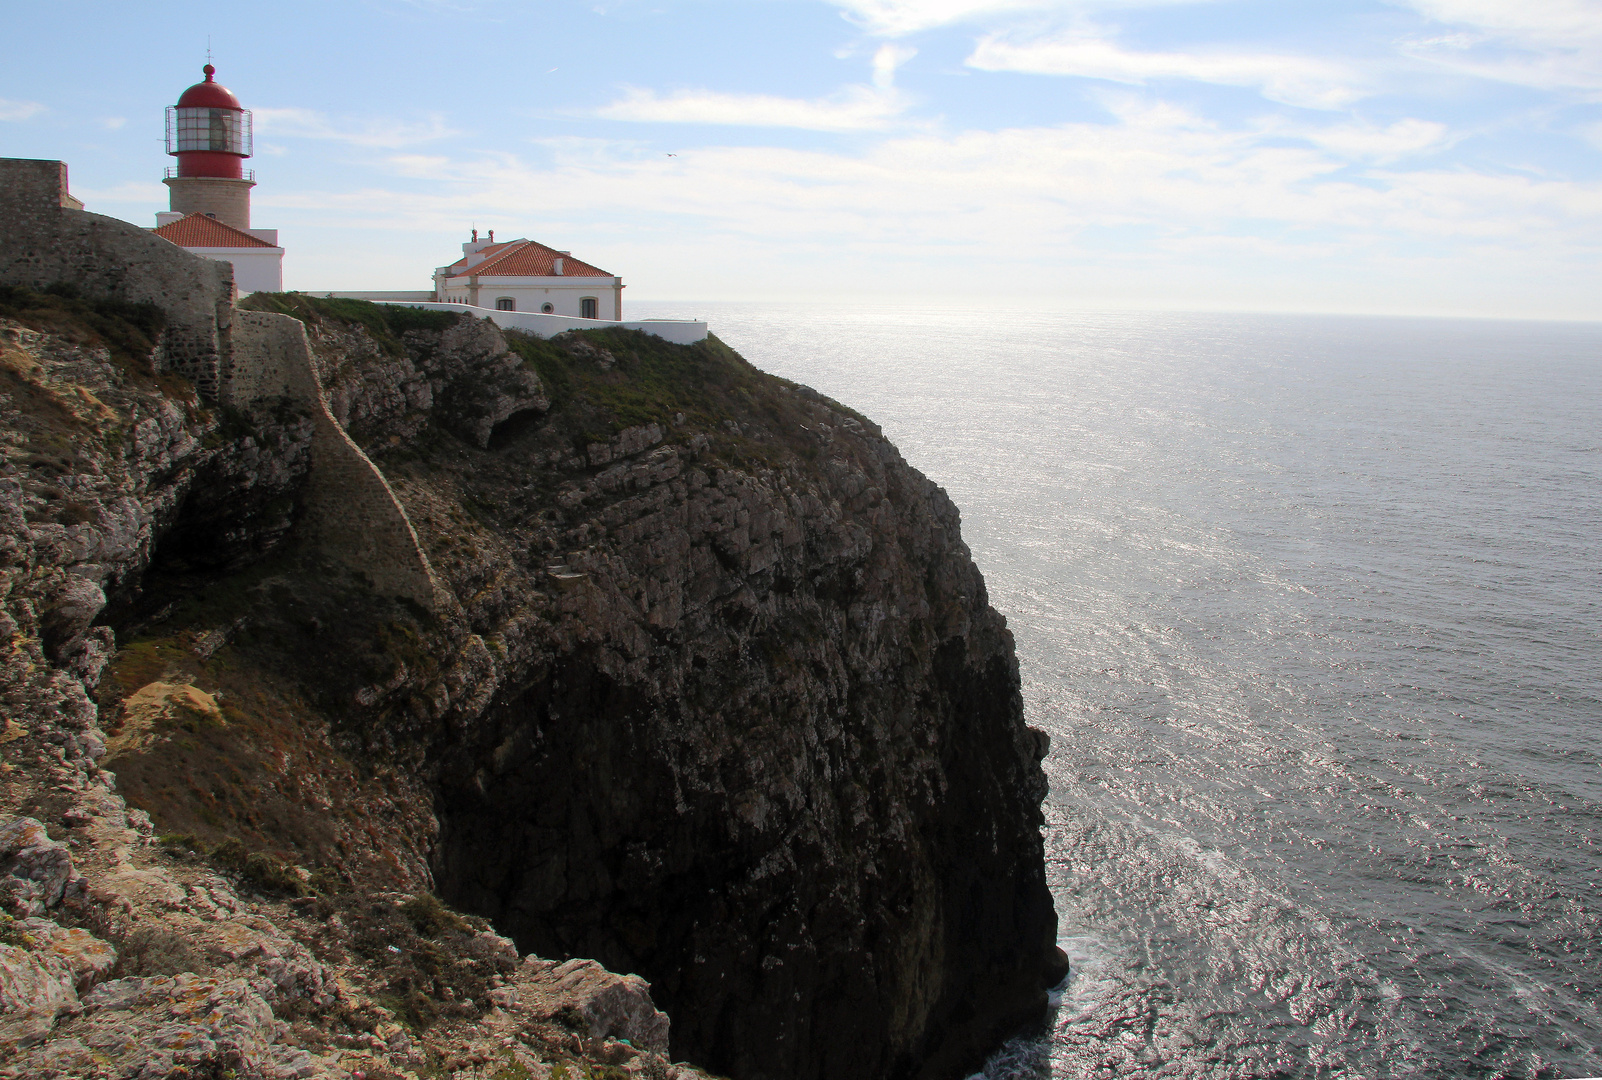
(601, 382)
(128, 331)
(385, 322)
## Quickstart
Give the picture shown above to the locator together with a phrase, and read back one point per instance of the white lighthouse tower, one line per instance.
(209, 132)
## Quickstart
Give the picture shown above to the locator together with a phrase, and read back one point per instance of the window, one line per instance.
(547, 308)
(587, 308)
(505, 303)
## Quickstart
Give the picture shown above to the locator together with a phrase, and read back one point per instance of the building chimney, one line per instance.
(558, 267)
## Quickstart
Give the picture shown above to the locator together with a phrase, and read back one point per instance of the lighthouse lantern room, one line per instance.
(208, 131)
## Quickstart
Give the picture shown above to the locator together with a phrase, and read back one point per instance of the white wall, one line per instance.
(426, 295)
(255, 269)
(678, 331)
(564, 294)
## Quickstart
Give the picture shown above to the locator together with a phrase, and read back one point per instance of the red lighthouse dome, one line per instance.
(208, 131)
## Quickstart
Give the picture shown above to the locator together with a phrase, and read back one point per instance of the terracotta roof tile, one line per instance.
(200, 231)
(459, 267)
(525, 258)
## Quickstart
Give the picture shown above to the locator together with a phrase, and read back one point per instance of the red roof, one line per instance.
(209, 95)
(525, 258)
(200, 231)
(457, 268)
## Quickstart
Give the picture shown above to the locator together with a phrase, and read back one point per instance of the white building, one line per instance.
(257, 258)
(520, 275)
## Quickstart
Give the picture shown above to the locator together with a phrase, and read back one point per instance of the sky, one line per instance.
(1435, 157)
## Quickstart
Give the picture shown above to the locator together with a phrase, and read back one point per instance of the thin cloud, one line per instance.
(19, 110)
(1293, 80)
(1546, 21)
(1165, 197)
(1369, 142)
(1553, 45)
(856, 108)
(897, 18)
(382, 134)
(1029, 192)
(887, 60)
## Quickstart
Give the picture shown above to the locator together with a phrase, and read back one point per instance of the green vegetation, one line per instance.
(430, 918)
(637, 378)
(150, 950)
(425, 975)
(573, 1020)
(266, 873)
(128, 331)
(511, 1071)
(386, 323)
(601, 382)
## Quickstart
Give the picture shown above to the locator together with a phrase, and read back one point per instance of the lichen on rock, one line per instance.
(715, 745)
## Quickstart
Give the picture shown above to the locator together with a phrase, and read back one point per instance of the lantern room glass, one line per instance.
(224, 130)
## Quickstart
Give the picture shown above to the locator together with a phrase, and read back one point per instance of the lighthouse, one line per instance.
(208, 131)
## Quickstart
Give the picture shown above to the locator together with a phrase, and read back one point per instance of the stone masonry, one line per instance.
(236, 358)
(44, 242)
(350, 513)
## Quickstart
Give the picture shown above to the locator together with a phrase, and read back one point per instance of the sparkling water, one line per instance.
(1310, 607)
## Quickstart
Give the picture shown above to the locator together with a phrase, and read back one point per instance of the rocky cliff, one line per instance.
(716, 698)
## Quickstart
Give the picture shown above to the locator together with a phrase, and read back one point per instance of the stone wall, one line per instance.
(44, 242)
(237, 358)
(350, 513)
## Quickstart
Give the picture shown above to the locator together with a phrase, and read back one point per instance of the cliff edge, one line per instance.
(711, 693)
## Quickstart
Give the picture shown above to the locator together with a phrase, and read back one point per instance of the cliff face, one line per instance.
(754, 730)
(718, 699)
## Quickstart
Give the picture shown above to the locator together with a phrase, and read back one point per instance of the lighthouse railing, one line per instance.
(171, 173)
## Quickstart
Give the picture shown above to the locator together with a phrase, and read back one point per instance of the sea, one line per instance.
(1311, 607)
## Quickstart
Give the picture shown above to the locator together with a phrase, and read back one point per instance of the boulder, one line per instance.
(34, 869)
(41, 976)
(614, 1006)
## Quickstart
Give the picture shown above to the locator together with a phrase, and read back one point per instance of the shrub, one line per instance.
(150, 950)
(432, 918)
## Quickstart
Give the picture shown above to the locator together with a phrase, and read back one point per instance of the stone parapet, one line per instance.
(236, 358)
(44, 241)
(350, 514)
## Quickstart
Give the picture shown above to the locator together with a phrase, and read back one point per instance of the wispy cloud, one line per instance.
(376, 132)
(853, 108)
(1027, 192)
(1553, 45)
(1293, 80)
(1549, 21)
(896, 18)
(885, 62)
(856, 108)
(113, 123)
(1167, 201)
(1360, 142)
(19, 110)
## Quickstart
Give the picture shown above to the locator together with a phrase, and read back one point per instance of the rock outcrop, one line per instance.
(717, 698)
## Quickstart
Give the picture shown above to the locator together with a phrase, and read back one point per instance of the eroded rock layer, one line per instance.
(717, 696)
